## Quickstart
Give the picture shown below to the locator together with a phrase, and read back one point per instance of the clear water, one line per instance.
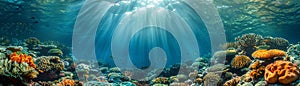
(147, 32)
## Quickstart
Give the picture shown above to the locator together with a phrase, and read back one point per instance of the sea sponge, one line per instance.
(268, 54)
(239, 61)
(22, 58)
(47, 63)
(232, 82)
(283, 72)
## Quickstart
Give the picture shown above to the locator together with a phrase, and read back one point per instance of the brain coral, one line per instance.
(268, 54)
(240, 61)
(281, 71)
(22, 58)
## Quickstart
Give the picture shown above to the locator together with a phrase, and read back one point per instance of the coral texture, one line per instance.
(22, 58)
(232, 82)
(13, 69)
(240, 61)
(46, 63)
(268, 54)
(281, 71)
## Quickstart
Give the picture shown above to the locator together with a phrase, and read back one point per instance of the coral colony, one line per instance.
(251, 60)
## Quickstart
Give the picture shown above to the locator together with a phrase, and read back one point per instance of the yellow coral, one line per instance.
(240, 61)
(268, 54)
(283, 72)
(262, 54)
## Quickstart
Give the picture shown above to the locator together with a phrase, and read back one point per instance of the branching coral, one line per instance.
(276, 43)
(268, 54)
(248, 42)
(240, 61)
(281, 71)
(22, 58)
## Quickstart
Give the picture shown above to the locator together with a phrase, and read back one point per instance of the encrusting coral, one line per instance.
(232, 82)
(283, 72)
(240, 61)
(22, 58)
(47, 63)
(268, 54)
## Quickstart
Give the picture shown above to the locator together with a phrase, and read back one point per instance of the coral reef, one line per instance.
(232, 82)
(32, 42)
(160, 80)
(212, 79)
(16, 73)
(276, 43)
(55, 52)
(49, 68)
(47, 63)
(67, 82)
(247, 42)
(268, 54)
(240, 61)
(22, 58)
(281, 71)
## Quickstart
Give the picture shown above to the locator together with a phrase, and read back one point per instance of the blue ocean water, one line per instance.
(54, 20)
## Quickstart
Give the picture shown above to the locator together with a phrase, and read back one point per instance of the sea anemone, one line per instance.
(240, 61)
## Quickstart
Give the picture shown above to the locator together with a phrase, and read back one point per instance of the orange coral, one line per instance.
(240, 61)
(255, 65)
(283, 72)
(232, 82)
(67, 82)
(268, 54)
(256, 72)
(263, 54)
(22, 58)
(276, 52)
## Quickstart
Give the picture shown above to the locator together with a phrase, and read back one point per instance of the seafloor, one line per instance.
(251, 60)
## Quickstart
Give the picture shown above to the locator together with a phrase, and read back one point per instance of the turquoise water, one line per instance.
(147, 33)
